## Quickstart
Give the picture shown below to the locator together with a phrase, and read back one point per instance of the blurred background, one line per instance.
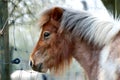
(19, 33)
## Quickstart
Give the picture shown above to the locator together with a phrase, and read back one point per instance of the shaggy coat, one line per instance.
(93, 42)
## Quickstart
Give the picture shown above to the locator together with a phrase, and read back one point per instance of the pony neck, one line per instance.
(88, 57)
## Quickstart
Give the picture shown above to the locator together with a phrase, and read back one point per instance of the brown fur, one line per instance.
(62, 47)
(59, 47)
(57, 51)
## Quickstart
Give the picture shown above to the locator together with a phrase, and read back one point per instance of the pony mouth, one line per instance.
(40, 68)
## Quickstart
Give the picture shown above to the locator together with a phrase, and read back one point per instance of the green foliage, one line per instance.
(113, 6)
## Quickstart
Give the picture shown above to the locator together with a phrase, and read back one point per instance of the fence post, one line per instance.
(4, 41)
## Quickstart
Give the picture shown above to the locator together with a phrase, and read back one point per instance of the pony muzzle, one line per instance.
(38, 67)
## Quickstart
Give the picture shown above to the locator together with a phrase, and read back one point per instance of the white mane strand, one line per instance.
(86, 26)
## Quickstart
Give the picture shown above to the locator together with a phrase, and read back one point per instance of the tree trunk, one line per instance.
(4, 42)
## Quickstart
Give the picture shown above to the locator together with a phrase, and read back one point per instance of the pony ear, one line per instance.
(56, 13)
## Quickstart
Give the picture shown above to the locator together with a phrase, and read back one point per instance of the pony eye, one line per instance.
(46, 34)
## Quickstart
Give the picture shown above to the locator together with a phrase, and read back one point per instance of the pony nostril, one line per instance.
(31, 64)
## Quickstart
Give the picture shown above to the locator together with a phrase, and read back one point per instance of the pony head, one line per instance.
(53, 49)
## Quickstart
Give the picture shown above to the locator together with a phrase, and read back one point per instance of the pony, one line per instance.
(67, 34)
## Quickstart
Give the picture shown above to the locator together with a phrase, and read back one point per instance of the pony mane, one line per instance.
(85, 25)
(88, 27)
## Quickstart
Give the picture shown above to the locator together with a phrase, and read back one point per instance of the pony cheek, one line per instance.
(51, 62)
